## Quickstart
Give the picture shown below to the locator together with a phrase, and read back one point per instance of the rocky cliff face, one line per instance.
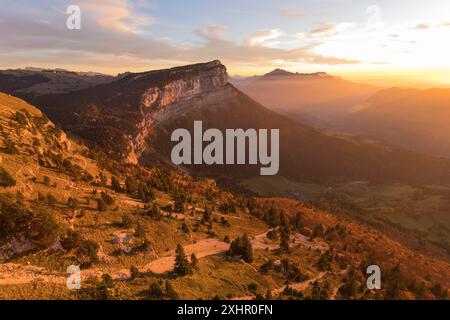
(188, 83)
(133, 117)
(123, 113)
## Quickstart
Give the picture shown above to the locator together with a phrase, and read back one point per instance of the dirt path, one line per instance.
(13, 274)
(300, 239)
(299, 286)
(262, 242)
(202, 248)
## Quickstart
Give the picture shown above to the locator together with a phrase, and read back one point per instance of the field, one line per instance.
(423, 210)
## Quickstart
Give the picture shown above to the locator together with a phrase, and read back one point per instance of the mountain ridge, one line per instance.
(131, 118)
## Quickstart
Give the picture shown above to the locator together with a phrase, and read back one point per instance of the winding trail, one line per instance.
(299, 286)
(20, 274)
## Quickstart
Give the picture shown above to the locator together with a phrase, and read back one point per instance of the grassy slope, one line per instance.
(216, 275)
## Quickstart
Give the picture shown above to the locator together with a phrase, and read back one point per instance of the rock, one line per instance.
(16, 246)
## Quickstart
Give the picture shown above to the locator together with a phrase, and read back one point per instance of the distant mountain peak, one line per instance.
(279, 72)
(284, 73)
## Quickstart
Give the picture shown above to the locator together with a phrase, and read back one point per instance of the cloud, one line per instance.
(212, 33)
(261, 37)
(423, 26)
(328, 29)
(330, 60)
(429, 25)
(290, 13)
(112, 33)
(116, 14)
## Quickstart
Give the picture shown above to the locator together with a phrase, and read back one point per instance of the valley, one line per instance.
(141, 228)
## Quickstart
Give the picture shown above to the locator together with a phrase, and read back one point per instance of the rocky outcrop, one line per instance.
(157, 102)
(14, 247)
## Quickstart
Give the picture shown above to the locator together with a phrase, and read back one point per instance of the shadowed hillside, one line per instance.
(414, 119)
(132, 118)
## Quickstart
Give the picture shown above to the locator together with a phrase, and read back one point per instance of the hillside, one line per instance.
(318, 98)
(132, 119)
(31, 82)
(62, 204)
(414, 119)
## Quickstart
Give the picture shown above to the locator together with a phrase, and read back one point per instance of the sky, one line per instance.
(402, 42)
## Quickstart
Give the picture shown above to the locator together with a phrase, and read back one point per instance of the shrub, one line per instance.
(14, 219)
(73, 203)
(5, 179)
(10, 147)
(43, 230)
(46, 181)
(141, 230)
(51, 200)
(115, 184)
(107, 198)
(127, 222)
(242, 247)
(156, 291)
(170, 291)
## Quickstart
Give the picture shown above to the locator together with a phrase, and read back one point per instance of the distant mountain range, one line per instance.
(133, 116)
(31, 82)
(317, 98)
(418, 120)
(414, 119)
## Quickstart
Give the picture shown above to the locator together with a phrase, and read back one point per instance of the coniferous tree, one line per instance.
(206, 216)
(284, 244)
(141, 230)
(156, 291)
(247, 249)
(170, 291)
(115, 184)
(283, 221)
(131, 186)
(242, 247)
(194, 261)
(135, 273)
(73, 203)
(103, 179)
(182, 266)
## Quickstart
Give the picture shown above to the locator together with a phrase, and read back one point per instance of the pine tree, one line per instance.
(284, 244)
(283, 221)
(194, 261)
(101, 205)
(297, 222)
(241, 246)
(170, 291)
(115, 184)
(135, 273)
(247, 249)
(103, 179)
(73, 203)
(131, 185)
(141, 230)
(156, 291)
(206, 216)
(182, 266)
(179, 204)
